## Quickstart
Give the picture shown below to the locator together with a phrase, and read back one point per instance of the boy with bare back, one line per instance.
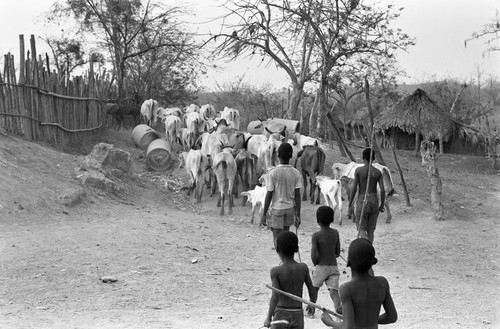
(367, 224)
(290, 277)
(363, 296)
(325, 248)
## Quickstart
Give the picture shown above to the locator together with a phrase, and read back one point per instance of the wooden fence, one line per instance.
(44, 106)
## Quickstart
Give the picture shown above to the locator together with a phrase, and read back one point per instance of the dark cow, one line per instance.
(118, 113)
(245, 162)
(312, 163)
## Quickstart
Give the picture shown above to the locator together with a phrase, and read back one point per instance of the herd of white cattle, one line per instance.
(217, 154)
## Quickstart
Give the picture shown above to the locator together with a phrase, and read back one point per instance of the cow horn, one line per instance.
(269, 131)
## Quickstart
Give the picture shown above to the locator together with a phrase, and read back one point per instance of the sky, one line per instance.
(440, 28)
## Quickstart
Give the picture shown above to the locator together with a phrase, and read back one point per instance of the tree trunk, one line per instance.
(428, 153)
(322, 108)
(294, 101)
(492, 147)
(340, 140)
(372, 125)
(405, 190)
(314, 115)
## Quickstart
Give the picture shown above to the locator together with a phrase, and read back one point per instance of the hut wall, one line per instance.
(457, 145)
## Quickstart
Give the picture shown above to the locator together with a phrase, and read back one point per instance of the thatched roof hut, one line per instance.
(417, 112)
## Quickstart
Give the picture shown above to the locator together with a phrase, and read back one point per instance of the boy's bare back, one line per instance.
(290, 277)
(366, 295)
(361, 177)
(325, 247)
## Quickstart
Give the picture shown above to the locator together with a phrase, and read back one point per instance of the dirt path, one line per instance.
(195, 269)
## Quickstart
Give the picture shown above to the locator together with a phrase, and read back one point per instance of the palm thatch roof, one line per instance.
(417, 111)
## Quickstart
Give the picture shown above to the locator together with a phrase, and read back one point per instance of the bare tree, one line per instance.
(268, 29)
(490, 33)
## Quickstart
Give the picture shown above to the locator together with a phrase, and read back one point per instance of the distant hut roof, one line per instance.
(414, 108)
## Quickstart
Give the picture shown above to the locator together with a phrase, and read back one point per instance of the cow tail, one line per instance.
(321, 161)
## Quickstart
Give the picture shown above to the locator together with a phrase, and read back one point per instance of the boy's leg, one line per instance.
(276, 232)
(334, 295)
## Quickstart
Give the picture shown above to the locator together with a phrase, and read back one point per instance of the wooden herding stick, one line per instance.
(302, 300)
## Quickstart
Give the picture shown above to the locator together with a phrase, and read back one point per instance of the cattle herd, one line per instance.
(217, 154)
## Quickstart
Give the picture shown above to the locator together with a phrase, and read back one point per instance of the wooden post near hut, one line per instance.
(428, 153)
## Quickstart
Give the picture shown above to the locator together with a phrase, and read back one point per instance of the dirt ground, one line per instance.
(181, 265)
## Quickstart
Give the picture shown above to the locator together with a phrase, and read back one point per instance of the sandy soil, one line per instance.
(180, 265)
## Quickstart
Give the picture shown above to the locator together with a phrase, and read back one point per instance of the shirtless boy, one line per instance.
(325, 248)
(363, 296)
(290, 277)
(368, 223)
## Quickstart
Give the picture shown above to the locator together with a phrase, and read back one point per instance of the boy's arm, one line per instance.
(314, 250)
(337, 247)
(274, 298)
(354, 188)
(313, 293)
(390, 315)
(298, 201)
(267, 202)
(347, 312)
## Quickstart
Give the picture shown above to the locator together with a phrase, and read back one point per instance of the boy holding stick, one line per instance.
(363, 296)
(289, 277)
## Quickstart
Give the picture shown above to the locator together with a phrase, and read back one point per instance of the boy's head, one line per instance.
(285, 151)
(324, 215)
(287, 243)
(366, 154)
(361, 255)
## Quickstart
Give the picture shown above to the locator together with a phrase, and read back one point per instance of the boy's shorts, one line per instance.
(282, 217)
(369, 222)
(295, 318)
(328, 274)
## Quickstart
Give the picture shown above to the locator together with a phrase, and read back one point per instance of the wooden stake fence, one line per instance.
(43, 106)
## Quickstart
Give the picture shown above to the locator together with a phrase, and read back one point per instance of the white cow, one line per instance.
(225, 169)
(192, 108)
(163, 113)
(348, 169)
(256, 197)
(332, 193)
(188, 138)
(267, 154)
(196, 164)
(195, 122)
(207, 112)
(302, 140)
(148, 110)
(173, 131)
(232, 117)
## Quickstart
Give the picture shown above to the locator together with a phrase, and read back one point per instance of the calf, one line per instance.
(332, 192)
(195, 163)
(256, 197)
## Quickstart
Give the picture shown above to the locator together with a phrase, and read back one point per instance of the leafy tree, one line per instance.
(68, 54)
(128, 30)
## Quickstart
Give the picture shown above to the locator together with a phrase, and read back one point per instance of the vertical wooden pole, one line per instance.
(428, 153)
